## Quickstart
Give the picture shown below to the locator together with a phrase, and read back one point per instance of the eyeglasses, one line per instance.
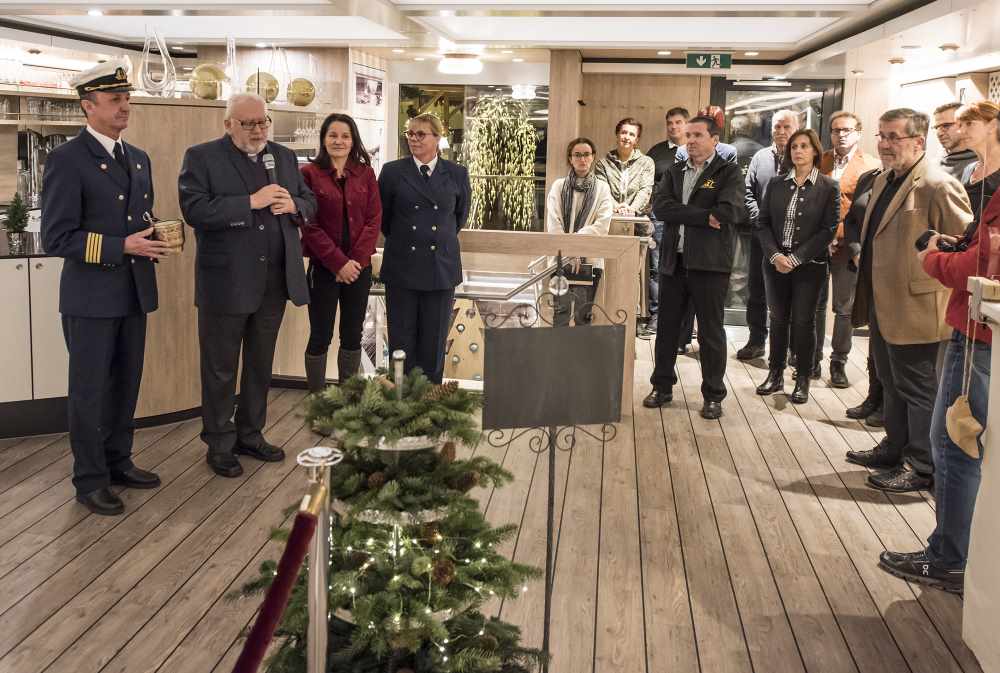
(249, 124)
(944, 127)
(842, 132)
(582, 155)
(892, 138)
(418, 135)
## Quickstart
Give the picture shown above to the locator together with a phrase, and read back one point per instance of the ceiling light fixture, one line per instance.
(398, 51)
(663, 53)
(517, 60)
(94, 12)
(507, 51)
(419, 58)
(911, 47)
(762, 82)
(949, 47)
(458, 63)
(261, 45)
(751, 53)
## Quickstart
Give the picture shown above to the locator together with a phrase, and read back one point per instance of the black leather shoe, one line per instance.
(801, 393)
(102, 501)
(817, 372)
(863, 410)
(877, 457)
(751, 351)
(902, 479)
(135, 478)
(657, 398)
(774, 383)
(711, 410)
(224, 464)
(916, 567)
(269, 453)
(838, 376)
(875, 419)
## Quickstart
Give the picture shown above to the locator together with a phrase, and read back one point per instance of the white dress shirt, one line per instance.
(432, 164)
(106, 142)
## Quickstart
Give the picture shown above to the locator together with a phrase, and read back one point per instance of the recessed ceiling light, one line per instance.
(517, 60)
(178, 48)
(398, 51)
(507, 51)
(663, 53)
(94, 12)
(261, 45)
(419, 58)
(911, 46)
(751, 53)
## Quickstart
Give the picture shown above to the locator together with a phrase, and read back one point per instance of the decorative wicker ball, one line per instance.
(443, 572)
(206, 81)
(301, 92)
(265, 84)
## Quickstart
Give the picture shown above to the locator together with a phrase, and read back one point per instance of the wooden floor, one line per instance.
(685, 545)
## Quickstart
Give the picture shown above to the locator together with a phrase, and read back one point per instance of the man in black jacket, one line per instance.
(245, 198)
(700, 202)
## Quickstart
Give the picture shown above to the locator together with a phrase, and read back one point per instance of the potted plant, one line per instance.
(17, 222)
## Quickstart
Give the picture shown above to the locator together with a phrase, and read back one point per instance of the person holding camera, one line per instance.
(903, 306)
(957, 469)
(579, 204)
(796, 222)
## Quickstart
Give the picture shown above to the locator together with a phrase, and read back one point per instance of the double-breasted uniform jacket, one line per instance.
(421, 219)
(215, 184)
(816, 218)
(909, 304)
(90, 204)
(719, 192)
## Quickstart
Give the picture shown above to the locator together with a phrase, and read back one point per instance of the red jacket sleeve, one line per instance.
(364, 247)
(315, 238)
(953, 269)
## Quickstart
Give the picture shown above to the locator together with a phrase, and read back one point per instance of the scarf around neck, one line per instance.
(585, 186)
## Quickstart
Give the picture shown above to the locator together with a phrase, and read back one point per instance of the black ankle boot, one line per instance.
(801, 393)
(774, 383)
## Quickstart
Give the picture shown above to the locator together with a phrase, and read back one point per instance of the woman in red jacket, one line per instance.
(956, 474)
(339, 242)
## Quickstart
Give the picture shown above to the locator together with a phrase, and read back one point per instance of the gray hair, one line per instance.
(917, 123)
(242, 97)
(785, 114)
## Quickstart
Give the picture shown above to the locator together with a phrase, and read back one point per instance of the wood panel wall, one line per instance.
(565, 89)
(612, 97)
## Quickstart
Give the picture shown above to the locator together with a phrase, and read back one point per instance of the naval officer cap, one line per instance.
(109, 77)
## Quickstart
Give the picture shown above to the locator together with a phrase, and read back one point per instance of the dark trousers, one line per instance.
(222, 337)
(326, 294)
(105, 369)
(874, 384)
(706, 290)
(956, 474)
(653, 261)
(819, 323)
(756, 295)
(792, 299)
(579, 300)
(909, 386)
(687, 328)
(418, 325)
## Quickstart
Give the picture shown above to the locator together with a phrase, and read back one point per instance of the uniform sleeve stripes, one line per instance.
(92, 254)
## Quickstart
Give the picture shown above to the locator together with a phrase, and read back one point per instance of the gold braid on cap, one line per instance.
(112, 85)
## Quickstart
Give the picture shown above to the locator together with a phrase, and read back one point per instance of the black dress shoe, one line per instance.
(916, 567)
(774, 383)
(135, 478)
(711, 410)
(902, 479)
(838, 376)
(877, 457)
(751, 351)
(269, 453)
(801, 393)
(863, 410)
(224, 464)
(817, 372)
(875, 419)
(657, 398)
(102, 501)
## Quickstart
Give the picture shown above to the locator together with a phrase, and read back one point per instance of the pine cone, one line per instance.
(467, 482)
(376, 480)
(448, 452)
(489, 642)
(442, 391)
(444, 572)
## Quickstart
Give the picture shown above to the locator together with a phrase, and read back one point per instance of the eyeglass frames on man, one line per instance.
(892, 138)
(417, 135)
(842, 132)
(249, 124)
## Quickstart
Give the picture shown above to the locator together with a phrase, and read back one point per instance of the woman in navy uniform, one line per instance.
(425, 202)
(96, 190)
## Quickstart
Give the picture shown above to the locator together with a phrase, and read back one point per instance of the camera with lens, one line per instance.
(942, 244)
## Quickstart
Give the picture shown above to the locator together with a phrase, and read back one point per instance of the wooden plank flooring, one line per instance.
(746, 545)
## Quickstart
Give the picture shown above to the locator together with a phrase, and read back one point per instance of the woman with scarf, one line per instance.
(579, 204)
(957, 468)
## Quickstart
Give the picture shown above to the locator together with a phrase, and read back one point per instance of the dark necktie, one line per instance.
(120, 157)
(425, 171)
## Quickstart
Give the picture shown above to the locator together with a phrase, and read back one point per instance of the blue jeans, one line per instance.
(653, 258)
(956, 475)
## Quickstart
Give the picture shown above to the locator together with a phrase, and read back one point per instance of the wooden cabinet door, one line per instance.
(15, 331)
(48, 346)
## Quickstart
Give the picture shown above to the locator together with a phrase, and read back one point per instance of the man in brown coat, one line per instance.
(904, 307)
(844, 163)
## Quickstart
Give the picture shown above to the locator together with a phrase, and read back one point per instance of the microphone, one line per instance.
(272, 174)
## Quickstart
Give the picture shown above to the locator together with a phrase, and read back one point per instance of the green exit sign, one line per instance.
(710, 61)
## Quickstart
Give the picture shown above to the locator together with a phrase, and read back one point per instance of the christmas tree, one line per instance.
(412, 557)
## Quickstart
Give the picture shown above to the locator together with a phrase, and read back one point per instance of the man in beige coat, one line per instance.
(903, 306)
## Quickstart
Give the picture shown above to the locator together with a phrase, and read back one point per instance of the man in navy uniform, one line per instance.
(245, 198)
(96, 191)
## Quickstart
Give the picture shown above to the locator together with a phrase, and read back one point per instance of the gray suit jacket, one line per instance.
(215, 186)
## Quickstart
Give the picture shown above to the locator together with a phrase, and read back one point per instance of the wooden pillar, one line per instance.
(565, 89)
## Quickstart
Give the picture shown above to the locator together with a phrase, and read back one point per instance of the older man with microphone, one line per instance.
(245, 198)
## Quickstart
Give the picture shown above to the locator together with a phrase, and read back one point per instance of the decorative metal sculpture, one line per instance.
(164, 86)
